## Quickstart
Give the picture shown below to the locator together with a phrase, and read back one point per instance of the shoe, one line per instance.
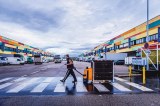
(62, 80)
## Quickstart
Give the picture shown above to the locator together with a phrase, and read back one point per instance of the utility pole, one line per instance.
(147, 37)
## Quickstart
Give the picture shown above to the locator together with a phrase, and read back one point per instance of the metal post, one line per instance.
(147, 40)
(130, 71)
(147, 21)
(113, 72)
(144, 75)
(157, 59)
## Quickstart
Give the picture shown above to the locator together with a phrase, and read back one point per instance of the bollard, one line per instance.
(130, 71)
(144, 75)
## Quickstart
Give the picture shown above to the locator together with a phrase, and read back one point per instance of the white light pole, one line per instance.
(147, 21)
(147, 37)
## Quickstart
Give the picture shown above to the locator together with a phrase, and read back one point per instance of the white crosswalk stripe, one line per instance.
(49, 79)
(101, 88)
(42, 84)
(80, 86)
(120, 87)
(61, 87)
(5, 85)
(5, 79)
(120, 79)
(19, 79)
(22, 86)
(140, 87)
(40, 87)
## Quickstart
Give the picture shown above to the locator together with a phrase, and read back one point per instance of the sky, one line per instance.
(71, 26)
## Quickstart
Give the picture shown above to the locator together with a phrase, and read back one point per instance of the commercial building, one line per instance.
(131, 40)
(9, 46)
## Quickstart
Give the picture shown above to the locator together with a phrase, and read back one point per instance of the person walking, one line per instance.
(70, 67)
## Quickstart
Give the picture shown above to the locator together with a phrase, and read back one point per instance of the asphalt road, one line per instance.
(59, 70)
(45, 70)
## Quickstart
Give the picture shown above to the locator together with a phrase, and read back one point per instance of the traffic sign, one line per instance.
(146, 45)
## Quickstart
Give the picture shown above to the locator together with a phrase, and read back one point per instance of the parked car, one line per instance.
(57, 59)
(89, 60)
(29, 60)
(45, 61)
(119, 62)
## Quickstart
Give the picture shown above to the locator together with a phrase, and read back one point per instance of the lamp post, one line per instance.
(147, 21)
(147, 40)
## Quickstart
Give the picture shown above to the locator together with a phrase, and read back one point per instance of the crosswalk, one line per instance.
(52, 85)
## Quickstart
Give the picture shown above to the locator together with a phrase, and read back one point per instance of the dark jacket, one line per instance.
(69, 66)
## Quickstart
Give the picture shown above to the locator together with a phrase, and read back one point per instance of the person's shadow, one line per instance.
(71, 89)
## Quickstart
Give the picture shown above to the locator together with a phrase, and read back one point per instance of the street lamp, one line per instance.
(147, 37)
(147, 21)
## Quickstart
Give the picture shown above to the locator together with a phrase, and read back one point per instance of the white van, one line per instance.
(15, 60)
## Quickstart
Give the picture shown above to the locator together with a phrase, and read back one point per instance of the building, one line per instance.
(9, 46)
(131, 40)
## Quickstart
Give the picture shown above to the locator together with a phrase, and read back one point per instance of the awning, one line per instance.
(20, 47)
(118, 43)
(11, 46)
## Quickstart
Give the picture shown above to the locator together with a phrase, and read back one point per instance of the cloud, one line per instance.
(61, 51)
(32, 19)
(71, 27)
(79, 49)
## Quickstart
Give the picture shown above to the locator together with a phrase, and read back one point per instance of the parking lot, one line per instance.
(40, 85)
(45, 70)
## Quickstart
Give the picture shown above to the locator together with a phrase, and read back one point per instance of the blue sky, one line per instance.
(71, 26)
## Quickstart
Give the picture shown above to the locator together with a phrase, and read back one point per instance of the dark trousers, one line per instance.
(70, 71)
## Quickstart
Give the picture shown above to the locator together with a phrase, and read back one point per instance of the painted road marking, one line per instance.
(80, 79)
(48, 79)
(139, 87)
(40, 88)
(5, 79)
(19, 79)
(34, 72)
(135, 85)
(101, 88)
(120, 79)
(22, 86)
(120, 87)
(5, 85)
(61, 87)
(42, 85)
(80, 87)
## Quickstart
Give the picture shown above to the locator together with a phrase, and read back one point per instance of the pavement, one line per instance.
(39, 85)
(84, 100)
